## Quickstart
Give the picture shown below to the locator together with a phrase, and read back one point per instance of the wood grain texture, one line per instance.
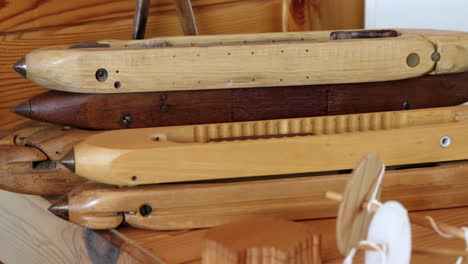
(196, 205)
(186, 247)
(186, 17)
(262, 240)
(230, 66)
(29, 159)
(14, 89)
(250, 16)
(30, 234)
(108, 111)
(202, 152)
(353, 222)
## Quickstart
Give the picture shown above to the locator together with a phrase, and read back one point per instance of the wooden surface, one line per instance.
(196, 205)
(29, 155)
(32, 26)
(30, 234)
(186, 17)
(230, 66)
(186, 246)
(353, 222)
(280, 147)
(107, 111)
(262, 240)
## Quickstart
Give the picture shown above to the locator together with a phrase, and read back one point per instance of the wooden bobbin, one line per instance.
(262, 240)
(352, 221)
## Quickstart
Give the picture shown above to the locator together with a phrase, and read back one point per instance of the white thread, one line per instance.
(373, 199)
(352, 252)
(465, 230)
(436, 228)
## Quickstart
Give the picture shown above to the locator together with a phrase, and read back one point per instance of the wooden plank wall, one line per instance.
(30, 24)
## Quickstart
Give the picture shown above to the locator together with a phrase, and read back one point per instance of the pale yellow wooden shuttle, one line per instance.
(244, 61)
(271, 147)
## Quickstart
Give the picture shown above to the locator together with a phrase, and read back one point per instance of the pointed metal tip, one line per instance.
(23, 109)
(60, 208)
(69, 160)
(20, 67)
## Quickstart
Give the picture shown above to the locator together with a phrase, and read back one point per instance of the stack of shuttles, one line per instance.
(197, 131)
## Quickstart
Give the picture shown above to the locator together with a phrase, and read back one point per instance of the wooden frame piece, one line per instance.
(272, 147)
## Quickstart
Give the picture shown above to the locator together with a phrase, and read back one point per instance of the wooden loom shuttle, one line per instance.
(29, 155)
(245, 61)
(197, 205)
(155, 109)
(271, 147)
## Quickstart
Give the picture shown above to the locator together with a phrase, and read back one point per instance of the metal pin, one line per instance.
(141, 17)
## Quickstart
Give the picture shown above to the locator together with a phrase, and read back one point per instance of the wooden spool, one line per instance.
(262, 240)
(352, 221)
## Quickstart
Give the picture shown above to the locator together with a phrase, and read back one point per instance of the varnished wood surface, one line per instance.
(196, 205)
(233, 17)
(98, 111)
(29, 158)
(270, 147)
(30, 234)
(186, 246)
(262, 240)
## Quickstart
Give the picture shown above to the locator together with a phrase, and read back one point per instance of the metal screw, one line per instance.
(101, 75)
(164, 108)
(127, 121)
(435, 56)
(117, 85)
(445, 141)
(406, 106)
(412, 60)
(146, 210)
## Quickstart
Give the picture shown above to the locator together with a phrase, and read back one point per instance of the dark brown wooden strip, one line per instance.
(114, 111)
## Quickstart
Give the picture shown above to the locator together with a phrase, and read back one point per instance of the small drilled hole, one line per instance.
(282, 51)
(101, 74)
(155, 139)
(307, 50)
(252, 53)
(146, 210)
(307, 77)
(117, 85)
(281, 80)
(445, 141)
(412, 60)
(58, 152)
(173, 56)
(134, 178)
(117, 71)
(253, 80)
(229, 53)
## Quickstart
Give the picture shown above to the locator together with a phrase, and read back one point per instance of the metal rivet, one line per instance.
(412, 60)
(146, 210)
(445, 141)
(117, 85)
(101, 74)
(406, 106)
(127, 121)
(164, 108)
(435, 56)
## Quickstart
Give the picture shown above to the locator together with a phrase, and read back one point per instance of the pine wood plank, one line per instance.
(186, 247)
(27, 15)
(30, 234)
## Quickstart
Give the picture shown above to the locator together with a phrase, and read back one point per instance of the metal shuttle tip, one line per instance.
(23, 109)
(69, 160)
(20, 67)
(60, 208)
